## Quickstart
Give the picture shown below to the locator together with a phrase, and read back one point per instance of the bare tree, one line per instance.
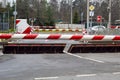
(81, 8)
(55, 8)
(65, 11)
(115, 10)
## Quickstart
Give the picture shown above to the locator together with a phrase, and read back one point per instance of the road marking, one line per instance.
(116, 73)
(6, 70)
(83, 57)
(47, 78)
(94, 60)
(85, 75)
(81, 75)
(73, 55)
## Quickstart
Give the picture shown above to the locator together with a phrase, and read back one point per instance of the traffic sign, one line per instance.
(91, 7)
(15, 13)
(91, 13)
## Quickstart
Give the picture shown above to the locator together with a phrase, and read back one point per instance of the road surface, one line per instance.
(87, 66)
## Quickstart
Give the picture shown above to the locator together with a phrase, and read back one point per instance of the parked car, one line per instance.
(97, 29)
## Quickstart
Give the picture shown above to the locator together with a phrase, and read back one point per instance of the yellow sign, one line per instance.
(91, 7)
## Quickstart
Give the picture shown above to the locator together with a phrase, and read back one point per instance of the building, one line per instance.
(3, 2)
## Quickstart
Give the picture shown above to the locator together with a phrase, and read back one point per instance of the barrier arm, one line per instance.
(62, 37)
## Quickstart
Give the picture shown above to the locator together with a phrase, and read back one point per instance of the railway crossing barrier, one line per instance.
(62, 37)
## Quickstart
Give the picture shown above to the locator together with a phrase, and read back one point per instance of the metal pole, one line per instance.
(8, 19)
(15, 13)
(87, 16)
(82, 17)
(109, 21)
(91, 22)
(3, 21)
(71, 13)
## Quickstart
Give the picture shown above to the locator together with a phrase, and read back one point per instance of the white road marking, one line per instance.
(73, 55)
(85, 75)
(116, 73)
(81, 75)
(84, 57)
(94, 60)
(6, 70)
(47, 78)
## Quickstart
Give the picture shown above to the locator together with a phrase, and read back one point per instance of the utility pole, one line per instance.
(87, 16)
(109, 9)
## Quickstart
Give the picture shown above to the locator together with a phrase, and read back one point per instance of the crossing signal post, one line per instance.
(91, 13)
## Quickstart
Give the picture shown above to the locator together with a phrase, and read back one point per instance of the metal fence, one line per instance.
(4, 26)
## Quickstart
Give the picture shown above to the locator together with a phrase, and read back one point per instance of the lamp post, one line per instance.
(109, 20)
(87, 16)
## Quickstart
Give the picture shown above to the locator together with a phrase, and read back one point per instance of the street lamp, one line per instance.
(109, 9)
(87, 16)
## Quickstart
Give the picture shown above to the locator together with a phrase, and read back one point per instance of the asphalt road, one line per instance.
(100, 66)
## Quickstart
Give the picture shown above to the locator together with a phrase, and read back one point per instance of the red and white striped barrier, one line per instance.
(62, 37)
(58, 30)
(22, 26)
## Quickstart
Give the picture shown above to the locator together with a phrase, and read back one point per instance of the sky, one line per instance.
(11, 1)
